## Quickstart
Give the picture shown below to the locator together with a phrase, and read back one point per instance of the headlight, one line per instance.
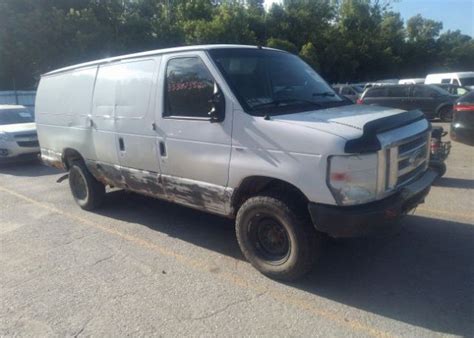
(353, 179)
(4, 137)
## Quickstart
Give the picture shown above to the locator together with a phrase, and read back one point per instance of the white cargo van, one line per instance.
(465, 79)
(245, 132)
(411, 81)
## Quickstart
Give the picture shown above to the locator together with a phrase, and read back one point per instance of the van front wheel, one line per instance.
(86, 190)
(275, 238)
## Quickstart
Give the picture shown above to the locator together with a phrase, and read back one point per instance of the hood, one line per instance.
(18, 128)
(345, 121)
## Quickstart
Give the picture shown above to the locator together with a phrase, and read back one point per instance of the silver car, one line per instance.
(18, 138)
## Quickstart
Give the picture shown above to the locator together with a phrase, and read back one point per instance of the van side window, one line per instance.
(445, 80)
(189, 88)
(123, 89)
(133, 88)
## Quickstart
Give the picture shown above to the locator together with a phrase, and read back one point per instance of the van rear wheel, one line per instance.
(86, 190)
(275, 238)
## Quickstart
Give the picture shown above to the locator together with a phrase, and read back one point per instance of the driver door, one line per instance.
(194, 149)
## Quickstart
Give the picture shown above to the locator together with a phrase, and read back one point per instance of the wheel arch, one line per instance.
(70, 155)
(255, 185)
(441, 107)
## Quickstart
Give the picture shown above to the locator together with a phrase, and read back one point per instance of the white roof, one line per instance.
(459, 74)
(149, 53)
(11, 106)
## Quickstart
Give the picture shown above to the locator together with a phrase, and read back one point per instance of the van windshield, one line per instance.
(14, 116)
(274, 82)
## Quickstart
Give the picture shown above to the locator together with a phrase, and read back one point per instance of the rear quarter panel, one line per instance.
(63, 102)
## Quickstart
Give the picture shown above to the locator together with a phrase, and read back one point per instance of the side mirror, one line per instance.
(217, 112)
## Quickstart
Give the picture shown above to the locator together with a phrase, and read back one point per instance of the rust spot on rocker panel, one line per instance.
(52, 159)
(144, 182)
(207, 197)
(108, 174)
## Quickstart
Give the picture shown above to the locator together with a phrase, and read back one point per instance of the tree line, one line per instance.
(345, 40)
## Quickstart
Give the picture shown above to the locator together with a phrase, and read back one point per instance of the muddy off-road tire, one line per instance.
(86, 190)
(277, 238)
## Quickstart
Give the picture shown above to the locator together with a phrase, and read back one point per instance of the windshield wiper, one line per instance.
(324, 94)
(283, 102)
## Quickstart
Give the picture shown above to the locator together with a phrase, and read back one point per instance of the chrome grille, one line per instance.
(26, 135)
(27, 140)
(404, 156)
(28, 144)
(413, 157)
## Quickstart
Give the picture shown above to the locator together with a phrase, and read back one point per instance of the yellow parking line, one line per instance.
(202, 266)
(469, 216)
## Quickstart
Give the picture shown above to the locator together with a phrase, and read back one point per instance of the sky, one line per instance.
(454, 14)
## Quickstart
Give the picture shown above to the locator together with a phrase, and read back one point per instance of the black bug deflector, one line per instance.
(369, 142)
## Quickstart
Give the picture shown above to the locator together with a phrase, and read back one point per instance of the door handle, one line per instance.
(121, 144)
(162, 149)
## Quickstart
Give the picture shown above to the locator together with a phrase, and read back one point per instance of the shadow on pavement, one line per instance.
(450, 182)
(423, 275)
(27, 169)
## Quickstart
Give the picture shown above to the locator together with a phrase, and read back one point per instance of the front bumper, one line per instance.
(10, 151)
(360, 220)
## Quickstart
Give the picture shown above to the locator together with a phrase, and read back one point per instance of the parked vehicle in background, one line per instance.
(18, 139)
(386, 82)
(462, 126)
(351, 91)
(454, 89)
(465, 79)
(412, 81)
(24, 98)
(433, 101)
(250, 133)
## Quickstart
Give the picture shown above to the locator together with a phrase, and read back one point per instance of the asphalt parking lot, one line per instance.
(140, 266)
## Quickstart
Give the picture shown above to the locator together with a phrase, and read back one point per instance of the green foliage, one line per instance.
(310, 55)
(229, 24)
(420, 29)
(346, 40)
(282, 44)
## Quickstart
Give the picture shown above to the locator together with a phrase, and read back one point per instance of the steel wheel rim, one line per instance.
(78, 185)
(269, 238)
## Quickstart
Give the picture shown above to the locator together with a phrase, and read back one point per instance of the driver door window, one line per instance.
(189, 88)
